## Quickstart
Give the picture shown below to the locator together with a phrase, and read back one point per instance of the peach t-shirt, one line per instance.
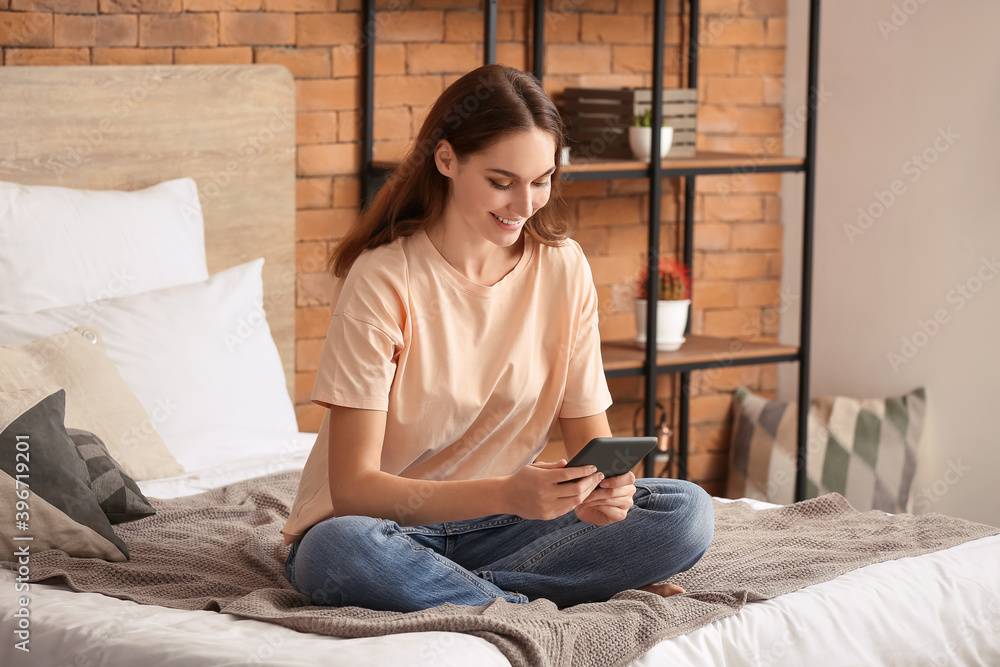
(472, 377)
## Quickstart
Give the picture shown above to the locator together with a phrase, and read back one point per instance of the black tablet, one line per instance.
(613, 456)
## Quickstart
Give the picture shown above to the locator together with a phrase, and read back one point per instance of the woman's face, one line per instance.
(495, 191)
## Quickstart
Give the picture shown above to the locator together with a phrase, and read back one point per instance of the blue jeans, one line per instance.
(378, 564)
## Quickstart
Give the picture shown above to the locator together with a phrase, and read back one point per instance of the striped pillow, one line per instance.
(863, 449)
(118, 495)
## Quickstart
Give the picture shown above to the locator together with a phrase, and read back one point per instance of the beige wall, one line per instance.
(893, 94)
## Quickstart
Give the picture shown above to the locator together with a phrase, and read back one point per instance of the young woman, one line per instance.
(464, 325)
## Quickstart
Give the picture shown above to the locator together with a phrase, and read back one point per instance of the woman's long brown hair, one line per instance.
(473, 113)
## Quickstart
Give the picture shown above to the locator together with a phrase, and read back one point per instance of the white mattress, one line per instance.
(939, 609)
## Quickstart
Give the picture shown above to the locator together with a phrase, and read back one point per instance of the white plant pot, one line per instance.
(671, 320)
(640, 140)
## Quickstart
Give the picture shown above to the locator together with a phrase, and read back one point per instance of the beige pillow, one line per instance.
(97, 399)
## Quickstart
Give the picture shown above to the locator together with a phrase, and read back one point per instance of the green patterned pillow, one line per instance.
(863, 449)
(762, 449)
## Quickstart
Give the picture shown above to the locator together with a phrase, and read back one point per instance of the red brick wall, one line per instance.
(423, 45)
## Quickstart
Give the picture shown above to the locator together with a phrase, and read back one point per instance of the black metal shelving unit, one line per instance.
(711, 353)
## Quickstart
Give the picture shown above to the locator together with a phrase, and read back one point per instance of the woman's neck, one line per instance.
(478, 260)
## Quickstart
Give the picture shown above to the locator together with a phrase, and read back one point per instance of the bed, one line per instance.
(230, 129)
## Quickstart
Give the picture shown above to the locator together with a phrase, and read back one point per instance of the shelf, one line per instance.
(624, 358)
(702, 163)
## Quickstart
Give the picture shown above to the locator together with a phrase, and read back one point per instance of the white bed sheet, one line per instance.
(871, 616)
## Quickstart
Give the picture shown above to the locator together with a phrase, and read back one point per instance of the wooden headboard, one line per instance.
(231, 128)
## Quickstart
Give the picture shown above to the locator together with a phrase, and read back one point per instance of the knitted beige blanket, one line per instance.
(221, 551)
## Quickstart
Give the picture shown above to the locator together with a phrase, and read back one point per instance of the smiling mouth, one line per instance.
(508, 223)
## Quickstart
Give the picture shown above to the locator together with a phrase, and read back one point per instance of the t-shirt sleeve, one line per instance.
(586, 385)
(358, 361)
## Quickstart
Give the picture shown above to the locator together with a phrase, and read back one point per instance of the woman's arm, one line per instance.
(359, 487)
(579, 431)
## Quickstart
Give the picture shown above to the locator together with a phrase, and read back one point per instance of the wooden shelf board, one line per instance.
(627, 355)
(701, 160)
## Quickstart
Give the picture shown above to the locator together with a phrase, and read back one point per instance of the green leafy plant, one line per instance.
(675, 281)
(646, 119)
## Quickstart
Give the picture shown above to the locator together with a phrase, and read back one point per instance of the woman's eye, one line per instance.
(537, 184)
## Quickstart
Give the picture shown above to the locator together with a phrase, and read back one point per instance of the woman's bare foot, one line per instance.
(666, 590)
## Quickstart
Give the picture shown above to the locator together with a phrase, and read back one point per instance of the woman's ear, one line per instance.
(444, 158)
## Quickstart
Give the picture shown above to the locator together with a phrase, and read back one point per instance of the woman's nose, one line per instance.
(522, 205)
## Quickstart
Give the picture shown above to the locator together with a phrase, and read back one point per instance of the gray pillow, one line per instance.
(45, 483)
(117, 493)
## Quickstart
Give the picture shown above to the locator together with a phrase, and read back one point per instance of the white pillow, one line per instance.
(197, 356)
(60, 246)
(225, 451)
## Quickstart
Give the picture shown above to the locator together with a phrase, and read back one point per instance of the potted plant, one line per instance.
(640, 137)
(672, 305)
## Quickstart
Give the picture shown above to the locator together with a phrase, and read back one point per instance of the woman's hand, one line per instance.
(534, 491)
(609, 502)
